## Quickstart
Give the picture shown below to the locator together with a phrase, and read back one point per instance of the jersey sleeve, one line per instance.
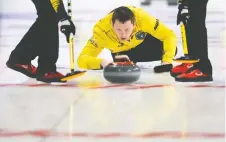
(160, 31)
(88, 58)
(62, 14)
(58, 6)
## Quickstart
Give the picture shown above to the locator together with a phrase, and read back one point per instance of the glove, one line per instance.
(121, 58)
(183, 13)
(67, 27)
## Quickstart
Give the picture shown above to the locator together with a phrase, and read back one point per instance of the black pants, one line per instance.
(41, 40)
(151, 49)
(197, 34)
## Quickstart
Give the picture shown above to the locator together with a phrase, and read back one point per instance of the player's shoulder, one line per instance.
(104, 23)
(142, 14)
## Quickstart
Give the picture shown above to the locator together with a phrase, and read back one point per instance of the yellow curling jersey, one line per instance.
(104, 37)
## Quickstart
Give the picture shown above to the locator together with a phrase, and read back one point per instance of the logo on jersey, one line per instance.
(93, 42)
(120, 44)
(156, 24)
(140, 35)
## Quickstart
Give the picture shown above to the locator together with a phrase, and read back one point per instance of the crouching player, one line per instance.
(130, 33)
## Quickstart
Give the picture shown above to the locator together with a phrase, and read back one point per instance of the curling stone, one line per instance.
(122, 72)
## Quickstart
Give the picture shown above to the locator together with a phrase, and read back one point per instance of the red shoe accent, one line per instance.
(30, 68)
(51, 77)
(194, 76)
(183, 68)
(27, 69)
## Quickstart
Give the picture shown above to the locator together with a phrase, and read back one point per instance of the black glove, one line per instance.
(67, 27)
(163, 68)
(183, 12)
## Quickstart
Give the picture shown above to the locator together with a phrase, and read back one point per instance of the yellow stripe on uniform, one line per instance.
(55, 4)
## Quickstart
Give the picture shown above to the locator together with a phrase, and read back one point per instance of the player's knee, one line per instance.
(79, 63)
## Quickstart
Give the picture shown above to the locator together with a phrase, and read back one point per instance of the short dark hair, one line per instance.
(123, 14)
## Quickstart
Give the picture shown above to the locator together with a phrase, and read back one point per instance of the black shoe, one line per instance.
(50, 77)
(27, 69)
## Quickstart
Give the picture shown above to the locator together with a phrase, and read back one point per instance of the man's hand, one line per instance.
(67, 27)
(104, 63)
(121, 58)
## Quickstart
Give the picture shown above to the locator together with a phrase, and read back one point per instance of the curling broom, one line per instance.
(186, 58)
(73, 74)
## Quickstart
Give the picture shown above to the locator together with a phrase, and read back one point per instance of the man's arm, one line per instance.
(62, 14)
(58, 6)
(88, 57)
(157, 29)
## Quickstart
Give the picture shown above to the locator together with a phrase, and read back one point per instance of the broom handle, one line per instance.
(184, 39)
(71, 39)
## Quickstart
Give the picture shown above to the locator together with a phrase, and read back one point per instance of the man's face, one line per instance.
(123, 30)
